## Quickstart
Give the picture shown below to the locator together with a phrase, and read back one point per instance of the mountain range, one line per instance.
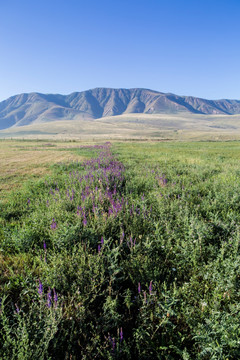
(36, 108)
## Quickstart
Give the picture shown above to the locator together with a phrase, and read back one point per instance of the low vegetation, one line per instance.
(25, 160)
(131, 251)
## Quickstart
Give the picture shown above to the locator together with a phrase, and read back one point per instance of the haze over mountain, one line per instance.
(34, 108)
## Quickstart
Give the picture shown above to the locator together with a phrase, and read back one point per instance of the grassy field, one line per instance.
(25, 160)
(127, 250)
(134, 126)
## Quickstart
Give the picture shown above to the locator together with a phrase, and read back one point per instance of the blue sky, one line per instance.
(184, 47)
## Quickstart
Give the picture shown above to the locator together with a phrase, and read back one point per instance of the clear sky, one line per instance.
(187, 47)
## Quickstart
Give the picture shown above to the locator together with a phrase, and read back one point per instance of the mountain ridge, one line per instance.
(30, 108)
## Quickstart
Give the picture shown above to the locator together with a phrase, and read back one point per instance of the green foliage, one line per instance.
(27, 335)
(141, 248)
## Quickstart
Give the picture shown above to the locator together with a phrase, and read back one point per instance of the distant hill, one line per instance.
(36, 108)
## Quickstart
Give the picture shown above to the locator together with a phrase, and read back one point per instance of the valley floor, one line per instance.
(123, 250)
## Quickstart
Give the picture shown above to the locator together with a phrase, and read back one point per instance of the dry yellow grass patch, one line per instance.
(20, 161)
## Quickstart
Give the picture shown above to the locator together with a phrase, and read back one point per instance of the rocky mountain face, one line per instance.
(25, 109)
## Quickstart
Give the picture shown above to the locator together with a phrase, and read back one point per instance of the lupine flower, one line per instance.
(121, 335)
(44, 246)
(40, 288)
(113, 344)
(17, 309)
(54, 224)
(131, 242)
(150, 287)
(99, 248)
(28, 202)
(102, 241)
(139, 288)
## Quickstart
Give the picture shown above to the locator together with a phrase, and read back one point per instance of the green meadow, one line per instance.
(122, 250)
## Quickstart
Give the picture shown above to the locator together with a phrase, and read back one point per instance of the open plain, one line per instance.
(133, 126)
(119, 250)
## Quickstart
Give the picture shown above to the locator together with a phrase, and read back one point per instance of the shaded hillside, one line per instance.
(25, 109)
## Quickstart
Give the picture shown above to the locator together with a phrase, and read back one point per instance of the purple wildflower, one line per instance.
(113, 344)
(28, 202)
(99, 248)
(44, 246)
(139, 288)
(150, 287)
(131, 242)
(121, 334)
(102, 241)
(122, 237)
(40, 288)
(54, 224)
(17, 309)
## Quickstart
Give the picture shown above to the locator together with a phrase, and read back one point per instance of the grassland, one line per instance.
(26, 160)
(134, 126)
(129, 251)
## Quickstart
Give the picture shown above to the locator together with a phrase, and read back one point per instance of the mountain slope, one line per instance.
(25, 109)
